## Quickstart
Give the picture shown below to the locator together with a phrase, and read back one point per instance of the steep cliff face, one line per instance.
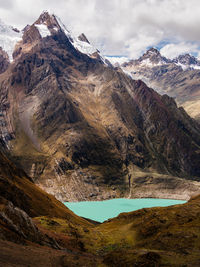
(4, 61)
(83, 129)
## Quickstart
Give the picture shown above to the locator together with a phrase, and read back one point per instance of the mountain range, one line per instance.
(82, 129)
(74, 126)
(179, 77)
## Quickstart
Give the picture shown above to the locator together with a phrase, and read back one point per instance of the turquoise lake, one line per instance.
(103, 210)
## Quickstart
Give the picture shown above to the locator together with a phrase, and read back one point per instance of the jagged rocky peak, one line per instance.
(47, 18)
(44, 26)
(153, 56)
(152, 51)
(186, 59)
(83, 38)
(49, 21)
(49, 24)
(150, 58)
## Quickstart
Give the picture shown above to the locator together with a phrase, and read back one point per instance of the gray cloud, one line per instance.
(6, 4)
(117, 27)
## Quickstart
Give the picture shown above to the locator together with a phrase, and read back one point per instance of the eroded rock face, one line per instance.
(81, 129)
(4, 61)
(83, 38)
(20, 227)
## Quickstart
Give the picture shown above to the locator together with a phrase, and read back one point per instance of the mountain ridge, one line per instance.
(185, 61)
(178, 78)
(71, 119)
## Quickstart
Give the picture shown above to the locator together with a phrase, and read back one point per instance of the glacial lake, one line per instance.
(103, 210)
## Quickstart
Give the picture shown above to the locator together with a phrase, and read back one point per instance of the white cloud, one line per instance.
(116, 27)
(141, 41)
(173, 50)
(5, 4)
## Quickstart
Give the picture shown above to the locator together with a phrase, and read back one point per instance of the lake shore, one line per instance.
(101, 211)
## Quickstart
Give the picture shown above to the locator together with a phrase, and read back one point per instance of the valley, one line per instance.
(74, 127)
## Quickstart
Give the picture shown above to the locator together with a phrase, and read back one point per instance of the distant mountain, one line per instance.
(187, 62)
(150, 58)
(179, 78)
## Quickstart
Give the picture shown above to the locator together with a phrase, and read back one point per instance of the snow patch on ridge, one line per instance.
(128, 73)
(43, 30)
(82, 46)
(196, 67)
(186, 67)
(147, 62)
(8, 39)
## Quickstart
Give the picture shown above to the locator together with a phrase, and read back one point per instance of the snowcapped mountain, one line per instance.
(178, 77)
(187, 61)
(153, 57)
(80, 128)
(84, 131)
(9, 36)
(46, 25)
(81, 44)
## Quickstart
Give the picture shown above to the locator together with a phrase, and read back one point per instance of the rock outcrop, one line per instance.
(4, 61)
(24, 242)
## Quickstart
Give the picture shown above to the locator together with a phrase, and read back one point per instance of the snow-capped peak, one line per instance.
(82, 45)
(153, 57)
(47, 24)
(149, 59)
(152, 51)
(8, 38)
(43, 30)
(187, 61)
(50, 22)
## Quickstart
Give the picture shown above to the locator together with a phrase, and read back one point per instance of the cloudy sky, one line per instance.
(119, 27)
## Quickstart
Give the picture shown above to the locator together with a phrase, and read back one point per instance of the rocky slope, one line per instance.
(179, 78)
(23, 242)
(38, 230)
(82, 129)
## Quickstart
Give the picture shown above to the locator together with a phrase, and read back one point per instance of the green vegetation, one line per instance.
(167, 236)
